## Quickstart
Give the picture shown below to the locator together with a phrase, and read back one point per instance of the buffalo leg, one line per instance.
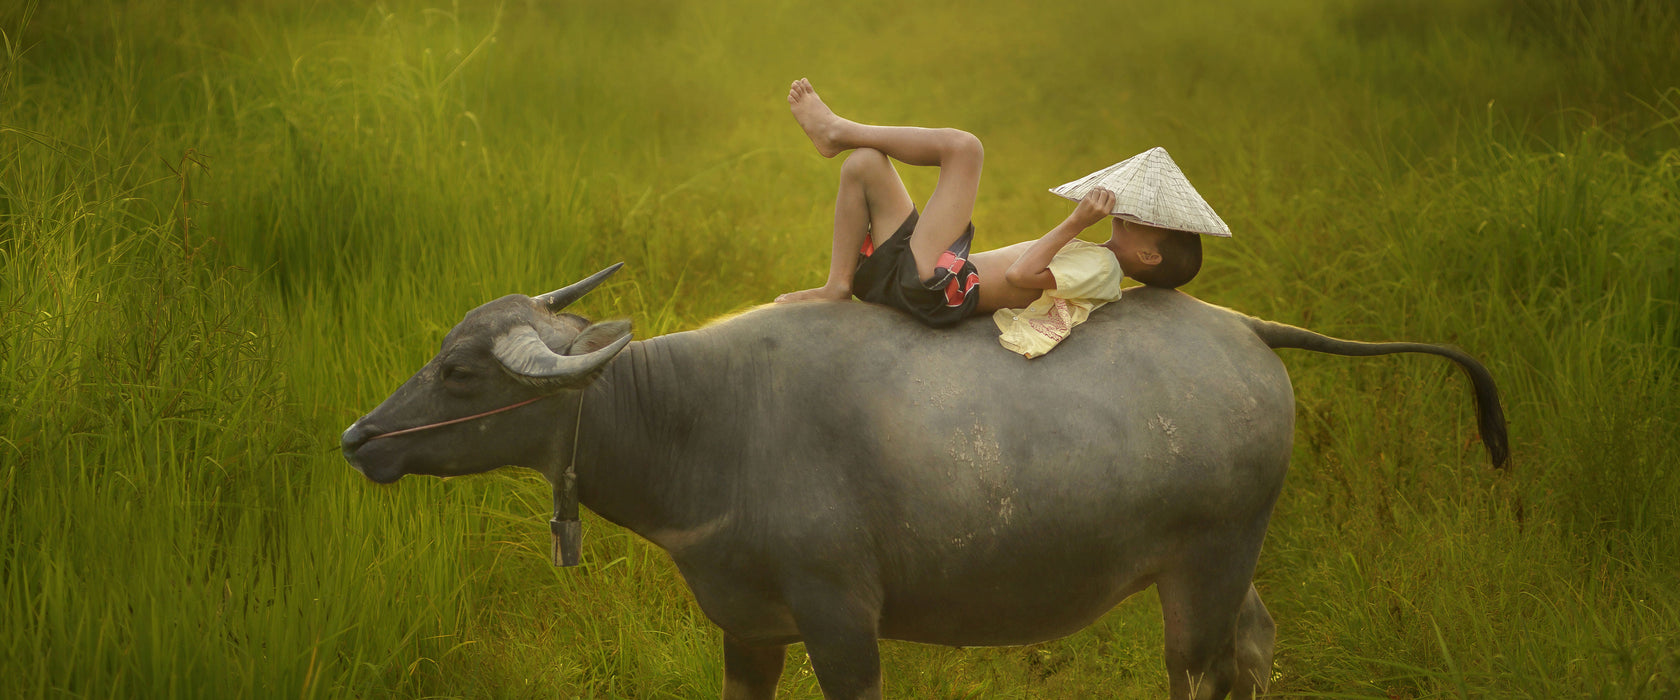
(751, 673)
(848, 663)
(1200, 604)
(843, 646)
(1256, 638)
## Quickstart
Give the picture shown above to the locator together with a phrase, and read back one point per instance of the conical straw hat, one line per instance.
(1149, 188)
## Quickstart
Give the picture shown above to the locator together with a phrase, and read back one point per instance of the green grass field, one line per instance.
(228, 229)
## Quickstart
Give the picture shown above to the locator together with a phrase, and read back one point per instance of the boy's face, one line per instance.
(1135, 245)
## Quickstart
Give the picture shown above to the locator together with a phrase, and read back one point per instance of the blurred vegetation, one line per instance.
(227, 229)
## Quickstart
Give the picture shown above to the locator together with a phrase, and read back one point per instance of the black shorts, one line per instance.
(887, 275)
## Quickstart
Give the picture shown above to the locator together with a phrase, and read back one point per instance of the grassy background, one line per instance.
(227, 229)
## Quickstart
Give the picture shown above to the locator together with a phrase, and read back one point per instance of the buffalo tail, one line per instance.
(1489, 414)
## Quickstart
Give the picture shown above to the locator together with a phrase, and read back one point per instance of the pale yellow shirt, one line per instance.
(1087, 276)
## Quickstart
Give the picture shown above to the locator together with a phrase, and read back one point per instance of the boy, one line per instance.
(920, 263)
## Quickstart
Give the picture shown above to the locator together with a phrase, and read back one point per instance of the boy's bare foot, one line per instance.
(820, 293)
(819, 122)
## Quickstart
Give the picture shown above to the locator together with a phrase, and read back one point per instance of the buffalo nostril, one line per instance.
(354, 437)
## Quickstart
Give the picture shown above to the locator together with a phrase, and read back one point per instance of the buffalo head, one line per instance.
(500, 369)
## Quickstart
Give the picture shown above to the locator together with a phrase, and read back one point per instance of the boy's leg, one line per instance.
(871, 201)
(957, 153)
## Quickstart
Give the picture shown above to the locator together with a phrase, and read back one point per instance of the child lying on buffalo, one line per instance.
(921, 263)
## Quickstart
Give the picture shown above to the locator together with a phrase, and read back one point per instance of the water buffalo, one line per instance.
(836, 473)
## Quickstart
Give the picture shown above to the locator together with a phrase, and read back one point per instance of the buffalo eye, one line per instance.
(459, 379)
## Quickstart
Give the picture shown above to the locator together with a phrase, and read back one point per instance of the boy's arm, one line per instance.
(1032, 269)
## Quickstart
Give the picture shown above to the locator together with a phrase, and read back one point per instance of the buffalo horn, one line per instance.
(524, 354)
(561, 298)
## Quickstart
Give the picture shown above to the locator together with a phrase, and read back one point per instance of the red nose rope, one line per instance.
(565, 527)
(475, 416)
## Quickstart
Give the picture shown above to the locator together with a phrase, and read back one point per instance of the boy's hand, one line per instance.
(1096, 204)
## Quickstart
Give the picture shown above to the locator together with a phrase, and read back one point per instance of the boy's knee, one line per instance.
(962, 144)
(863, 160)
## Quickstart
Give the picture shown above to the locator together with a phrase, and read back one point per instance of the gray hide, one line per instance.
(835, 473)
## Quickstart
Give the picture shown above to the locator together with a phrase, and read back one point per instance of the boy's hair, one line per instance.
(1181, 259)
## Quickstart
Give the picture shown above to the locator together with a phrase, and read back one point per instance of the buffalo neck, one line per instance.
(650, 455)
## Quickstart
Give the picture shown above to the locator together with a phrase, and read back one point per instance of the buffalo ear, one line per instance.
(598, 336)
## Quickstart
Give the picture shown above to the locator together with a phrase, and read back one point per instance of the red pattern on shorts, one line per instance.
(958, 288)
